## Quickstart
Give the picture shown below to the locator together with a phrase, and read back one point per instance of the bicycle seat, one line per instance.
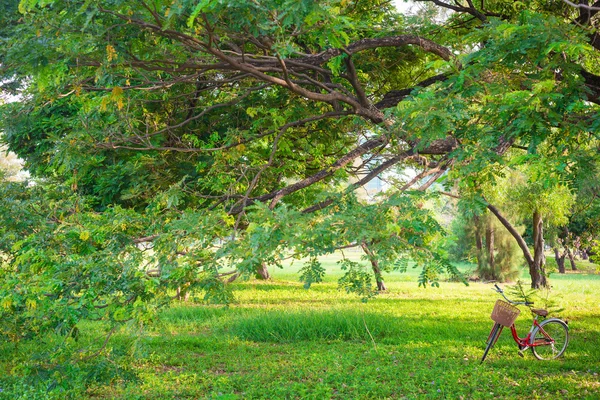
(539, 311)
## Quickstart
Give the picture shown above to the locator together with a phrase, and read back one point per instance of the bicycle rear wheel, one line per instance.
(492, 338)
(550, 340)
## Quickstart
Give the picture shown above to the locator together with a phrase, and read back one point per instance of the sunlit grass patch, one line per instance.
(279, 340)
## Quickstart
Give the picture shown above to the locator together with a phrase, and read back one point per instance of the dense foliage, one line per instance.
(176, 144)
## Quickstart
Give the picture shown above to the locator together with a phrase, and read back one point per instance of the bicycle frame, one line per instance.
(527, 341)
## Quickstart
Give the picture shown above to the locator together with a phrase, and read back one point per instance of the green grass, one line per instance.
(282, 341)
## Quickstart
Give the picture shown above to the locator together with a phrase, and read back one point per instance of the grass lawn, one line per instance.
(282, 341)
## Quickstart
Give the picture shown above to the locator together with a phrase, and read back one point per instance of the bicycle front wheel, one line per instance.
(550, 340)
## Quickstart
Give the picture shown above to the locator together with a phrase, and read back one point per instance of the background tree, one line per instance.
(10, 166)
(546, 205)
(477, 236)
(497, 252)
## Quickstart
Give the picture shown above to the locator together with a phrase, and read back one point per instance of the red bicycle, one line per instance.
(547, 339)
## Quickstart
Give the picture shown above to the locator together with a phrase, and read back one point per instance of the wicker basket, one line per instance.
(504, 313)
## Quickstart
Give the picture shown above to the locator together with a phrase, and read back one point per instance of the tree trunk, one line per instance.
(380, 283)
(376, 270)
(262, 272)
(560, 260)
(479, 246)
(537, 267)
(489, 244)
(183, 294)
(233, 277)
(571, 258)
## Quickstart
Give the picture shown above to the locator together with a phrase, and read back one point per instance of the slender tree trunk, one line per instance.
(479, 246)
(560, 260)
(375, 265)
(571, 258)
(537, 268)
(489, 244)
(568, 243)
(262, 272)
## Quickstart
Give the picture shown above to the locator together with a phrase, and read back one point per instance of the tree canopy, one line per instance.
(176, 143)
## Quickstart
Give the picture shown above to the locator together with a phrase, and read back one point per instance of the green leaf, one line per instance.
(202, 6)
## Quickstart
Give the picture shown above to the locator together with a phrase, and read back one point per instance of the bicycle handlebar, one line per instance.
(499, 290)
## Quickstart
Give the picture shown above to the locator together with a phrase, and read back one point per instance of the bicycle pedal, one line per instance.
(522, 350)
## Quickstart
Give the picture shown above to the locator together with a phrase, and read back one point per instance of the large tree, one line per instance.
(230, 133)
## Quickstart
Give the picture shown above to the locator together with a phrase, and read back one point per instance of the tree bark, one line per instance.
(262, 272)
(375, 265)
(233, 277)
(537, 268)
(571, 258)
(560, 260)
